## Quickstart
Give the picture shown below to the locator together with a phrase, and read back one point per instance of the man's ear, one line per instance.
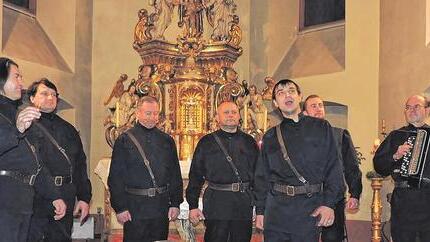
(32, 99)
(275, 104)
(305, 113)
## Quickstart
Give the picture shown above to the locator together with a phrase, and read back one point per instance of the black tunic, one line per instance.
(68, 138)
(312, 149)
(128, 170)
(349, 159)
(209, 163)
(16, 155)
(409, 206)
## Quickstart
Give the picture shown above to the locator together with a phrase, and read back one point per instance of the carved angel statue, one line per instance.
(256, 104)
(117, 90)
(164, 12)
(141, 31)
(267, 91)
(191, 17)
(220, 13)
(235, 33)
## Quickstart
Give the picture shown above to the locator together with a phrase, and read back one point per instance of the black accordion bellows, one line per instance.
(415, 166)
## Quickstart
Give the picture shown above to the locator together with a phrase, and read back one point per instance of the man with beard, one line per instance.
(62, 154)
(226, 160)
(145, 178)
(314, 107)
(21, 172)
(410, 212)
(298, 179)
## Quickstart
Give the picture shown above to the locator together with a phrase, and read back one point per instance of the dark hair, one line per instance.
(284, 82)
(32, 89)
(5, 64)
(307, 99)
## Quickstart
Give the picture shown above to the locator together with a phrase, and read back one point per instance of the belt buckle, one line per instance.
(290, 191)
(151, 192)
(32, 180)
(58, 181)
(235, 187)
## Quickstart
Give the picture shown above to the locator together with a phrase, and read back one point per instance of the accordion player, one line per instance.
(415, 165)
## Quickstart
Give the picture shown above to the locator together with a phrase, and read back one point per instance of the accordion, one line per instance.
(415, 165)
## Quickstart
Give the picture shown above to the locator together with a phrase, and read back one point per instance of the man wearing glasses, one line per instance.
(410, 212)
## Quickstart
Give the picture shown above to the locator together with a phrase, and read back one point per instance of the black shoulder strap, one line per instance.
(228, 157)
(33, 150)
(285, 155)
(55, 143)
(142, 153)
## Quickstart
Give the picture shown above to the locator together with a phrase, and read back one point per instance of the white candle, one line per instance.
(117, 114)
(245, 114)
(265, 121)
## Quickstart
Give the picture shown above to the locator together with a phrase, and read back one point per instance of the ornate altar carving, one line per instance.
(190, 76)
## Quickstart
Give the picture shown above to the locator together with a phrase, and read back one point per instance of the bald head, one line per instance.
(416, 110)
(228, 116)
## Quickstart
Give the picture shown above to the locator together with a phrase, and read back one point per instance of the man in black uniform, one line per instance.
(145, 192)
(63, 155)
(314, 107)
(20, 169)
(297, 185)
(226, 159)
(410, 212)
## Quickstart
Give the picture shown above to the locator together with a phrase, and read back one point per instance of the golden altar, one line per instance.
(190, 76)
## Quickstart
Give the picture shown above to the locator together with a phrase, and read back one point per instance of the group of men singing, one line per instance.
(295, 181)
(43, 170)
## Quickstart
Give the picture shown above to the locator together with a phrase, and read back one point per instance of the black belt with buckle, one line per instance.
(62, 180)
(150, 192)
(297, 190)
(27, 179)
(231, 187)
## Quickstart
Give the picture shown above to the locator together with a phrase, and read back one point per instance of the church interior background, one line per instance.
(104, 54)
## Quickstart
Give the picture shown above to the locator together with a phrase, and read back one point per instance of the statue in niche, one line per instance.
(142, 29)
(122, 116)
(246, 113)
(256, 105)
(118, 89)
(128, 105)
(191, 17)
(267, 91)
(235, 33)
(219, 14)
(164, 12)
